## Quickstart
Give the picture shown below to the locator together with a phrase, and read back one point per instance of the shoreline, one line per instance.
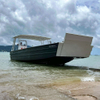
(78, 90)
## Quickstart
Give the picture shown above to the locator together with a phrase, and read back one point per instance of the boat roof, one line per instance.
(33, 37)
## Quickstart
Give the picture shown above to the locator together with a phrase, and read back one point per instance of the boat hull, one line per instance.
(40, 54)
(73, 46)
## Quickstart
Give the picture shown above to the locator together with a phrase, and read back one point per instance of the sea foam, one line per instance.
(88, 79)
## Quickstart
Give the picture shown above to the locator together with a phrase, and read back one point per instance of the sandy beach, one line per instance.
(76, 91)
(81, 90)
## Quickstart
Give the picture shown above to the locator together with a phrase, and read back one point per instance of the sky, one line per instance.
(50, 18)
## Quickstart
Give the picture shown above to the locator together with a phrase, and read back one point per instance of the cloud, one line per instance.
(93, 4)
(52, 18)
(70, 6)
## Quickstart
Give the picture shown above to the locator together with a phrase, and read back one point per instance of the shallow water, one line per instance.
(90, 62)
(24, 81)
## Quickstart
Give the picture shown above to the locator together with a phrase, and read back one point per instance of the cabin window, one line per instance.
(22, 44)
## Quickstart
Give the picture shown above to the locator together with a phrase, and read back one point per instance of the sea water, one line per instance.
(28, 81)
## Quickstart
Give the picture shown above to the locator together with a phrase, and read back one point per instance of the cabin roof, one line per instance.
(33, 37)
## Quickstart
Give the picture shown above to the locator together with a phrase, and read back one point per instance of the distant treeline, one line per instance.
(7, 48)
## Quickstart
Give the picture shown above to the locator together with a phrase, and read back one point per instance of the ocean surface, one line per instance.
(28, 81)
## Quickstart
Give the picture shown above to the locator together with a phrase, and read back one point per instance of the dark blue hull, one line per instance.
(40, 54)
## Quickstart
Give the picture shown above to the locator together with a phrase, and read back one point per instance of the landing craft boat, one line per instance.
(73, 46)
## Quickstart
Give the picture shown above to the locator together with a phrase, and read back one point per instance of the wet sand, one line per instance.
(60, 89)
(81, 90)
(50, 91)
(27, 91)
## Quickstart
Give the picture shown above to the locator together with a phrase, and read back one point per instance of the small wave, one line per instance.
(88, 79)
(18, 97)
(34, 98)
